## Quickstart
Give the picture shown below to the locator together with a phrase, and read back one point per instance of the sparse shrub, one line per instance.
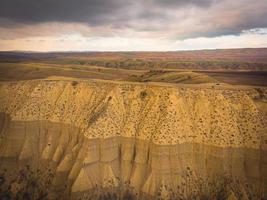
(74, 83)
(143, 94)
(31, 184)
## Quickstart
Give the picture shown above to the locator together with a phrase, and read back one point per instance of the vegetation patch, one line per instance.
(143, 95)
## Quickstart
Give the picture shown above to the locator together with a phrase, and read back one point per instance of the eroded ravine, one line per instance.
(123, 141)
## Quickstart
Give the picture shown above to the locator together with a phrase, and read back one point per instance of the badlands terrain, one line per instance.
(134, 125)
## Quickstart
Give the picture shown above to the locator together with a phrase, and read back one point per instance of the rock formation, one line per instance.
(114, 140)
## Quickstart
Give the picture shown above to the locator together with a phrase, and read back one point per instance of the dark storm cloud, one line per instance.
(93, 12)
(210, 17)
(179, 3)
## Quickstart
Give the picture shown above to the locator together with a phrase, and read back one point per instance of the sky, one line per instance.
(132, 25)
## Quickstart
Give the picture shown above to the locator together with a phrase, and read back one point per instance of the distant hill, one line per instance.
(224, 59)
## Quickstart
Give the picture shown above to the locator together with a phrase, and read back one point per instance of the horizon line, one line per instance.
(116, 51)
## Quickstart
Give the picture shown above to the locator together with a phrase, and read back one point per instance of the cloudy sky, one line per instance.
(118, 25)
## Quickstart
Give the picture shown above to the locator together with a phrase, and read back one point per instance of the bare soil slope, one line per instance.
(103, 139)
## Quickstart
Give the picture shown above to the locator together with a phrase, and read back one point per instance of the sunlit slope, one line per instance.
(126, 140)
(176, 113)
(173, 77)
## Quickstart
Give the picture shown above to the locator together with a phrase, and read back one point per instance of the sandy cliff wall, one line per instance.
(122, 141)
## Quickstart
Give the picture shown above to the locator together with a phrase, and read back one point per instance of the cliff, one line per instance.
(122, 140)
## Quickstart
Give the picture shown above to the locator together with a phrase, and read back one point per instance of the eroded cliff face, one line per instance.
(108, 140)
